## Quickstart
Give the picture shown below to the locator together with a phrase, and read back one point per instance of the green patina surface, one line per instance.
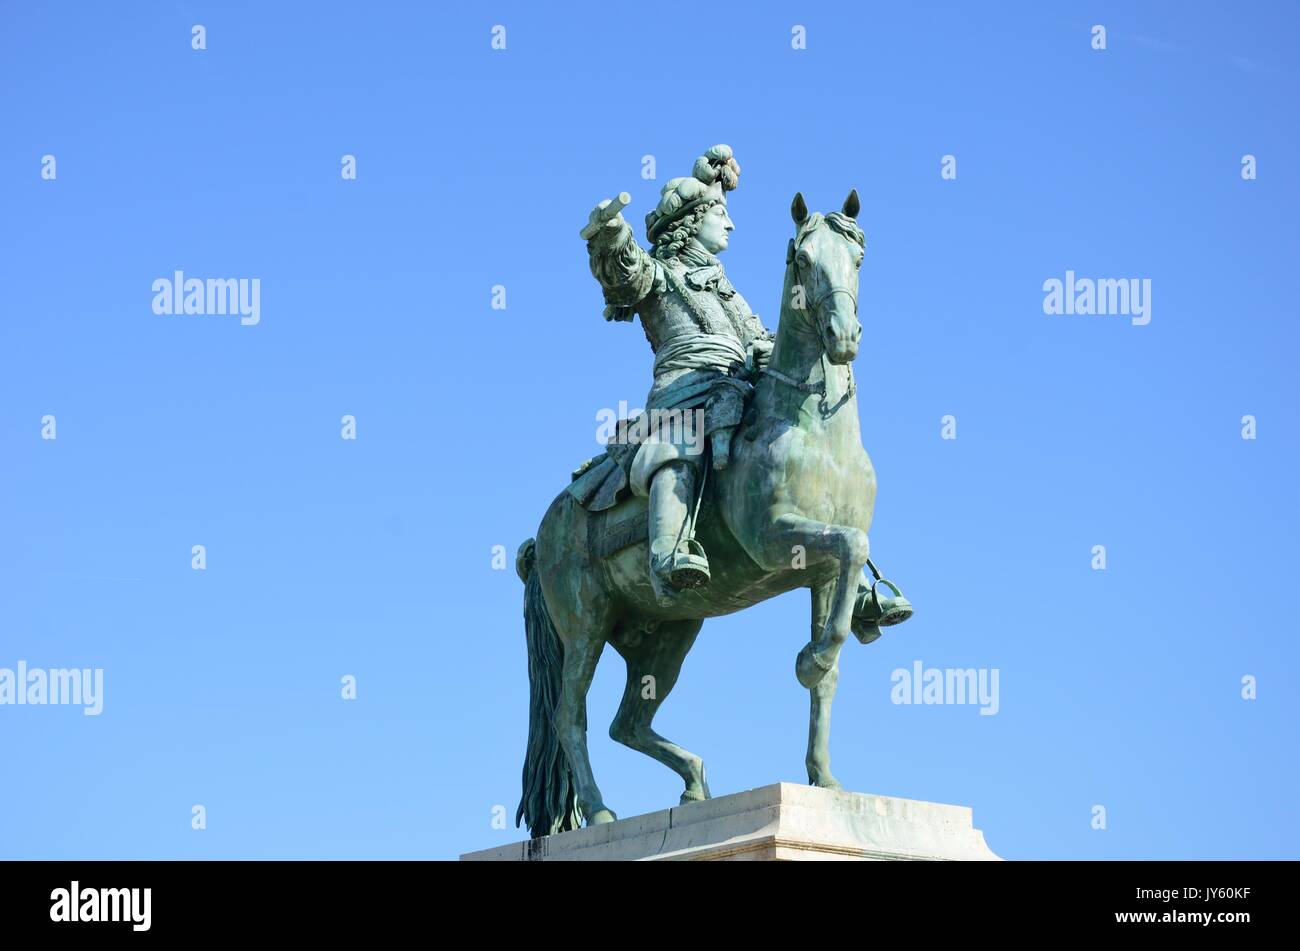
(778, 501)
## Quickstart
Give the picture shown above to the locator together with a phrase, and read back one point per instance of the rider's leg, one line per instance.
(672, 494)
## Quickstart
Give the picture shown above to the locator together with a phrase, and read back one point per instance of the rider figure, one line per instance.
(705, 339)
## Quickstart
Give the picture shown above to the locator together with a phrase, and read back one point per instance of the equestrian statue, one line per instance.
(743, 478)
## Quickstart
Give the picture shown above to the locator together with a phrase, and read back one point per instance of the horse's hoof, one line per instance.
(601, 816)
(689, 796)
(810, 668)
(829, 782)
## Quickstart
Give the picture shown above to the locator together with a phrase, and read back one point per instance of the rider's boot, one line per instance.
(676, 562)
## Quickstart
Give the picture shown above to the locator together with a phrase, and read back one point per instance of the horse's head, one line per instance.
(825, 253)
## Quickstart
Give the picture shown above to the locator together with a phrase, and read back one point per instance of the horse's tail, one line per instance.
(549, 804)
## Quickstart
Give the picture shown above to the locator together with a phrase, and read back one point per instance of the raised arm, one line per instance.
(626, 273)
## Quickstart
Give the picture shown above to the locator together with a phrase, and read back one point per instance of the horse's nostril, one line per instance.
(857, 332)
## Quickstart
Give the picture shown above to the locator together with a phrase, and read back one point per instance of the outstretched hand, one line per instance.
(606, 220)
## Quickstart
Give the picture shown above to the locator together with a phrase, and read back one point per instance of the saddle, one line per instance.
(604, 481)
(617, 517)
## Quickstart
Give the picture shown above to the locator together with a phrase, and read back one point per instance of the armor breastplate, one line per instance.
(679, 309)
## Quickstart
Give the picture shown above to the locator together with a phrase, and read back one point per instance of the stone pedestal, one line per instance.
(784, 821)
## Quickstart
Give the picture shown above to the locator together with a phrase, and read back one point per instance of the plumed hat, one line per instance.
(715, 173)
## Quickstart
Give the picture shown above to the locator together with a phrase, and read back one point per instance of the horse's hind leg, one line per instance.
(654, 660)
(583, 617)
(580, 657)
(821, 695)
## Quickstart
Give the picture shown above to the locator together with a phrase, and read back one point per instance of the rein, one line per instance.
(820, 386)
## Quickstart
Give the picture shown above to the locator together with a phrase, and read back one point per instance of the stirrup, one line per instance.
(871, 612)
(884, 612)
(690, 566)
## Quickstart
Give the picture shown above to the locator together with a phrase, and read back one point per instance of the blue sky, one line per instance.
(373, 557)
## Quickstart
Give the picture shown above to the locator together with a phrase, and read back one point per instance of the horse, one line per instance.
(791, 510)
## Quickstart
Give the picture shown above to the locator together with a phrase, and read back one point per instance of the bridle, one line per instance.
(792, 261)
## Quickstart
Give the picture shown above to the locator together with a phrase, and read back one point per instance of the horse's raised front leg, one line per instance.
(849, 549)
(818, 760)
(654, 659)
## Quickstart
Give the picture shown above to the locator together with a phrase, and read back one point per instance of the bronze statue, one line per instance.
(785, 503)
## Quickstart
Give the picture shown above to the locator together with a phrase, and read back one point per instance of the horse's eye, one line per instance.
(803, 259)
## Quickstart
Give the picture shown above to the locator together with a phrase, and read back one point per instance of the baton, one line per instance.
(605, 214)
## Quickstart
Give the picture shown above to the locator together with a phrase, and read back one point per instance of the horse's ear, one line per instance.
(798, 209)
(851, 204)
